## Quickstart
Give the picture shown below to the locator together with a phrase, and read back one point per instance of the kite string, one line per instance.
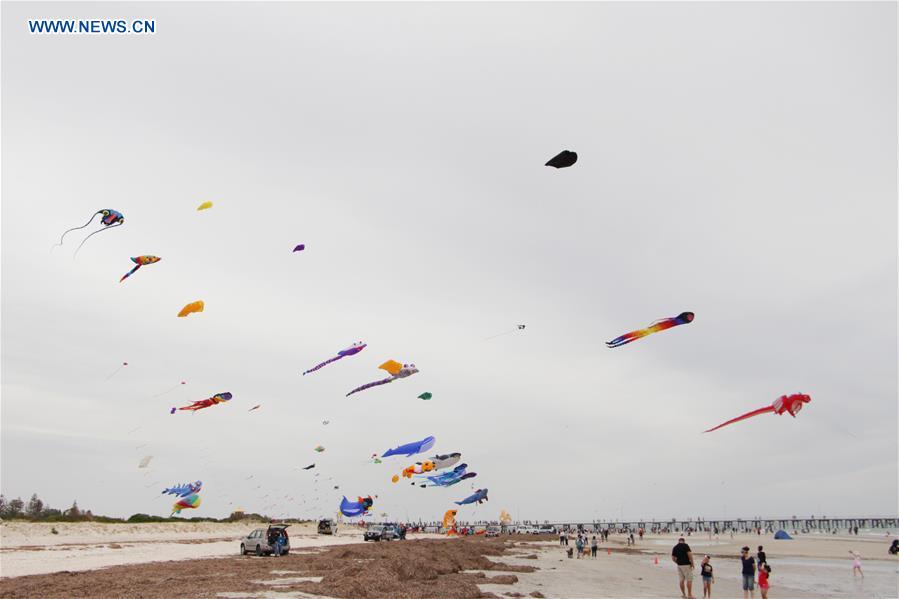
(115, 372)
(501, 334)
(74, 229)
(118, 224)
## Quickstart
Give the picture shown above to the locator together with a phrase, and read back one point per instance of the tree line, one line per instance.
(37, 511)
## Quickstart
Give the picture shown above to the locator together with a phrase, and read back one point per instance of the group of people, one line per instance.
(277, 539)
(683, 557)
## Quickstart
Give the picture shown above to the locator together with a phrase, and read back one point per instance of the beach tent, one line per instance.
(781, 535)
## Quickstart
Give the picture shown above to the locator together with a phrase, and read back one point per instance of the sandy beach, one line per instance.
(31, 548)
(200, 559)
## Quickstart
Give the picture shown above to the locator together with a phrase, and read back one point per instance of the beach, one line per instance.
(201, 560)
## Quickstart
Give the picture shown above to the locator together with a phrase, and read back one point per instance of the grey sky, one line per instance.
(736, 160)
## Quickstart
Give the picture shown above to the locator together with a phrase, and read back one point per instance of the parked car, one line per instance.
(493, 531)
(546, 530)
(391, 532)
(527, 530)
(327, 527)
(257, 541)
(375, 532)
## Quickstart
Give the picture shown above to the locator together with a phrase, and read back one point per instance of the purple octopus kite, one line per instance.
(350, 351)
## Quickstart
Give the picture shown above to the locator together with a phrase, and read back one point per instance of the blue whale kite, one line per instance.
(479, 496)
(410, 449)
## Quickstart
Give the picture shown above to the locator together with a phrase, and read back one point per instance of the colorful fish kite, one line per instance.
(191, 502)
(361, 507)
(299, 248)
(256, 407)
(319, 448)
(659, 325)
(790, 404)
(192, 307)
(448, 479)
(205, 403)
(410, 449)
(426, 396)
(563, 159)
(185, 489)
(116, 371)
(140, 261)
(350, 351)
(109, 218)
(477, 497)
(446, 460)
(396, 371)
(309, 467)
(417, 468)
(204, 206)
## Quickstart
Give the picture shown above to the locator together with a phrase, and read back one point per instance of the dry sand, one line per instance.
(31, 548)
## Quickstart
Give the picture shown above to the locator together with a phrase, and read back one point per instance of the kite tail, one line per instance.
(743, 417)
(322, 365)
(370, 385)
(75, 255)
(627, 338)
(74, 229)
(129, 273)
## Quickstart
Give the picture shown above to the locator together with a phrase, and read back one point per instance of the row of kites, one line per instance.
(442, 470)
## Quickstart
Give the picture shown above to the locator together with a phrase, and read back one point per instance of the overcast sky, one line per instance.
(735, 160)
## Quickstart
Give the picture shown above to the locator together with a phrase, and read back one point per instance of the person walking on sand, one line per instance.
(857, 564)
(563, 538)
(708, 576)
(764, 572)
(760, 557)
(593, 547)
(748, 573)
(683, 557)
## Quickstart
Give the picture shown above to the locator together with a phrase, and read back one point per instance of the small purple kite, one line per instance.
(300, 248)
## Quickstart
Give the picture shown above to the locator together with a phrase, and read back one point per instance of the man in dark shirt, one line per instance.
(683, 557)
(748, 573)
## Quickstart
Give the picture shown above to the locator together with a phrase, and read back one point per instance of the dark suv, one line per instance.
(327, 527)
(376, 532)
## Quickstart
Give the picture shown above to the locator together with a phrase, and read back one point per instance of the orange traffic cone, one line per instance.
(657, 560)
(609, 551)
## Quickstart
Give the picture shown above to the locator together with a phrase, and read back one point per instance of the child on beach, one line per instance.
(856, 564)
(708, 576)
(764, 572)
